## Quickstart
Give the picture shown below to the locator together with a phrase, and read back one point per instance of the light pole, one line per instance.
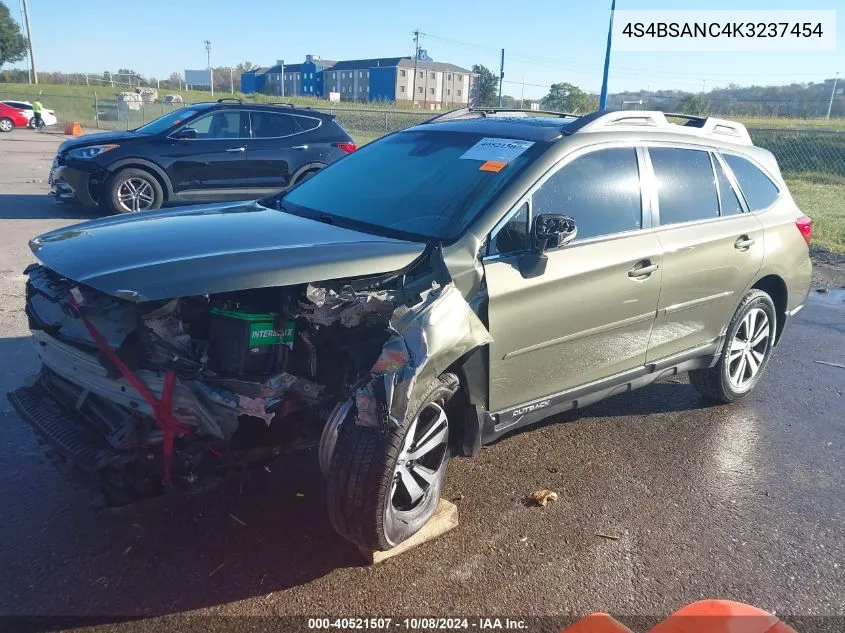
(603, 97)
(832, 94)
(29, 39)
(208, 58)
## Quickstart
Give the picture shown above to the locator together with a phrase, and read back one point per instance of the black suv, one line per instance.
(204, 152)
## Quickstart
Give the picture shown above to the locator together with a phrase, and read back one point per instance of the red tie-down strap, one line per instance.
(170, 425)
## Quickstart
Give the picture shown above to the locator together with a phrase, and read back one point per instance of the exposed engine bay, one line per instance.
(172, 391)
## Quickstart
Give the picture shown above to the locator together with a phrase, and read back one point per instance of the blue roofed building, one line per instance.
(427, 84)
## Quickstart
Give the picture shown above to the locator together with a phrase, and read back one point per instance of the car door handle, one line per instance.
(743, 243)
(236, 149)
(643, 271)
(299, 147)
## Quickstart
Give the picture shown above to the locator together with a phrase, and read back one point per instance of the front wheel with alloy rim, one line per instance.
(749, 342)
(6, 125)
(134, 190)
(383, 485)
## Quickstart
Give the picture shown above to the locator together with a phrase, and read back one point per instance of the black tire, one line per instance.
(6, 124)
(305, 176)
(362, 497)
(716, 383)
(114, 190)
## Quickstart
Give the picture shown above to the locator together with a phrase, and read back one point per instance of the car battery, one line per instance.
(248, 343)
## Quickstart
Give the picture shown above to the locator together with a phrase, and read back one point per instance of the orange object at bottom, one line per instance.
(705, 616)
(73, 128)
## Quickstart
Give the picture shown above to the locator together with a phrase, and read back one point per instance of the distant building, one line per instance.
(431, 85)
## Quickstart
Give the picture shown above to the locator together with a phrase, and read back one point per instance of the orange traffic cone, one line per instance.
(705, 616)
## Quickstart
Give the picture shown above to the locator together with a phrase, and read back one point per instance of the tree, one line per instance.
(694, 104)
(12, 42)
(245, 67)
(488, 85)
(568, 98)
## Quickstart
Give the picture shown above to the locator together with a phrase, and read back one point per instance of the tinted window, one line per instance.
(601, 190)
(305, 124)
(167, 121)
(759, 191)
(686, 188)
(512, 237)
(414, 182)
(18, 105)
(225, 124)
(727, 195)
(271, 125)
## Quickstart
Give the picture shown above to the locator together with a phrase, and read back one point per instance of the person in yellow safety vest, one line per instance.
(36, 114)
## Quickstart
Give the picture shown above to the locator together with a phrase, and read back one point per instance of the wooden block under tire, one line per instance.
(445, 518)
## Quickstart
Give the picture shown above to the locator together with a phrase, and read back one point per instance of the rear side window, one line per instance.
(305, 124)
(727, 195)
(759, 191)
(686, 188)
(601, 190)
(271, 125)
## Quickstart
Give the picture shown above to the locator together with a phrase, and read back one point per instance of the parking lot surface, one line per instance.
(664, 499)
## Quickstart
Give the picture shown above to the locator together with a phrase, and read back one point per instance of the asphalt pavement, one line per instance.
(664, 499)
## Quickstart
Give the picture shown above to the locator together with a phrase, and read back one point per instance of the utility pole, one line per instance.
(232, 79)
(416, 56)
(282, 79)
(522, 96)
(208, 58)
(832, 93)
(501, 76)
(29, 39)
(603, 97)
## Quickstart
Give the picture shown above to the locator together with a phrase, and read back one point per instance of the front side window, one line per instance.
(219, 125)
(601, 190)
(759, 191)
(686, 187)
(425, 189)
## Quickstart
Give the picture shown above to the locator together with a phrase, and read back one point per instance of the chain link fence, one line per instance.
(800, 152)
(804, 153)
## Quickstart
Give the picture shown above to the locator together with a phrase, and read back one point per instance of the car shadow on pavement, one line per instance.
(42, 207)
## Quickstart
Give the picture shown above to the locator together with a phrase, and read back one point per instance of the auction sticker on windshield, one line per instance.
(500, 150)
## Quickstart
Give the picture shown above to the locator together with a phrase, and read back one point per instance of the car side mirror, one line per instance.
(548, 231)
(185, 133)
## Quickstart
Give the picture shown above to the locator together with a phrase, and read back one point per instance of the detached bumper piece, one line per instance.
(62, 429)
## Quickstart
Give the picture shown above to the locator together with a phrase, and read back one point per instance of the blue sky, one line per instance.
(545, 41)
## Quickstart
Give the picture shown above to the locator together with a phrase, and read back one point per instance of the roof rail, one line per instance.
(710, 127)
(229, 99)
(483, 112)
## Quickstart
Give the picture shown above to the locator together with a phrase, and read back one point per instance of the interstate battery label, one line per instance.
(263, 334)
(499, 150)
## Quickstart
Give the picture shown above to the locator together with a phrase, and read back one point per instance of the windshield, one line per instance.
(424, 183)
(167, 121)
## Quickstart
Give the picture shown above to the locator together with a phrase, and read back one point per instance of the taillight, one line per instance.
(346, 147)
(805, 225)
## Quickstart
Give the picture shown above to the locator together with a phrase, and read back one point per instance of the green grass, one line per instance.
(823, 199)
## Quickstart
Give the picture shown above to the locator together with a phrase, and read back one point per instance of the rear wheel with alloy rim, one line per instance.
(383, 486)
(748, 346)
(6, 125)
(134, 190)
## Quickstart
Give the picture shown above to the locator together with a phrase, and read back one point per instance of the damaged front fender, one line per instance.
(426, 340)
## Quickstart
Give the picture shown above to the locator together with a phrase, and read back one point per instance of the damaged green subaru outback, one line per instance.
(427, 294)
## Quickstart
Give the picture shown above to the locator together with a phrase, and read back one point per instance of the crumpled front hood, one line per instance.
(214, 248)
